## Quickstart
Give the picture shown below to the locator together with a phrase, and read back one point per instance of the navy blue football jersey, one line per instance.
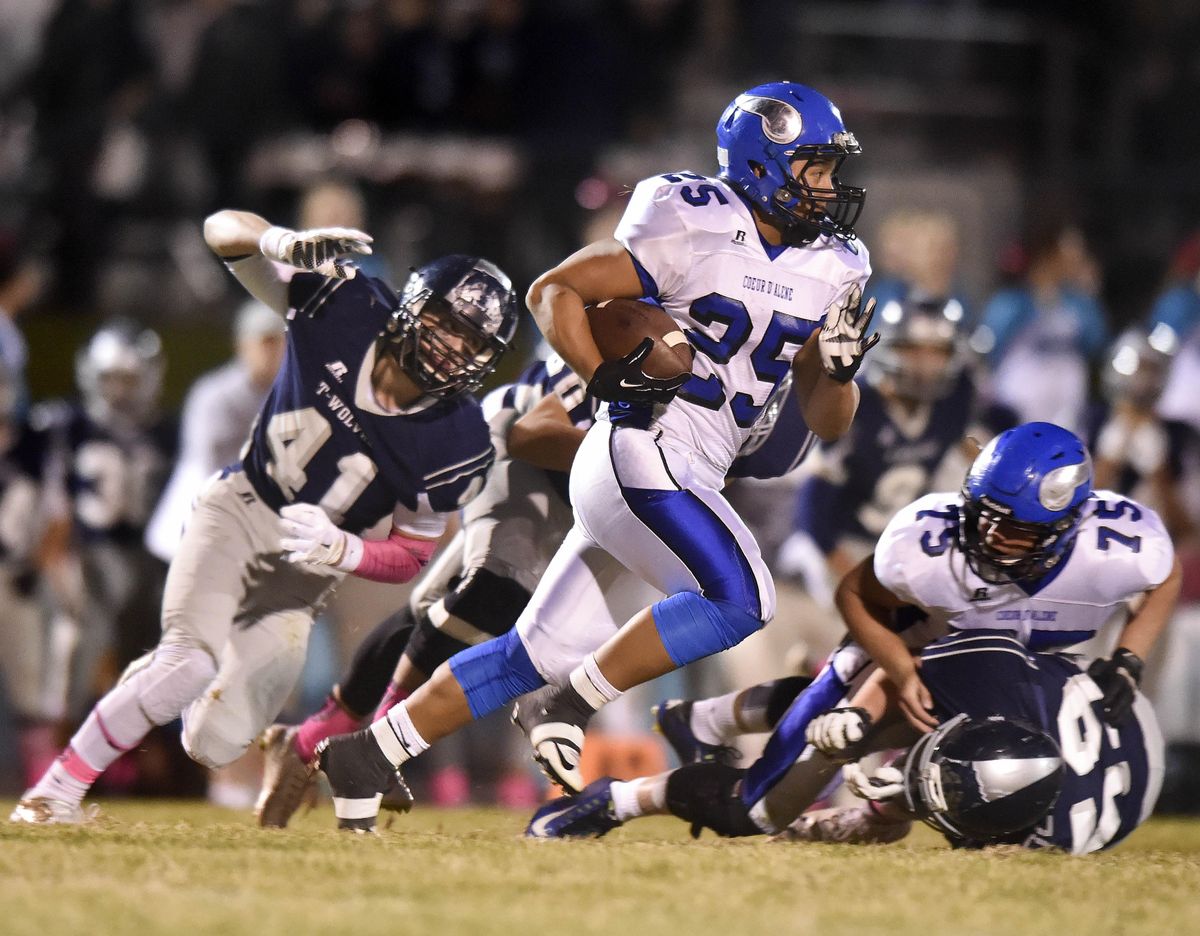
(881, 465)
(23, 470)
(321, 438)
(783, 450)
(551, 377)
(113, 478)
(1112, 776)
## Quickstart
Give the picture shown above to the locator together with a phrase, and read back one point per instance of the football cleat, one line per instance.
(848, 825)
(555, 729)
(399, 796)
(358, 773)
(673, 720)
(287, 780)
(584, 815)
(45, 810)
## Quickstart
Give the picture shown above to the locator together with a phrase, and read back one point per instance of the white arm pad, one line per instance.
(264, 280)
(423, 522)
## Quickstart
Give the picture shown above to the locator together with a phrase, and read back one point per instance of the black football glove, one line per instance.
(623, 381)
(1118, 678)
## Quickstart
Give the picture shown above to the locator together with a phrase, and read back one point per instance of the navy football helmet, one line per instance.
(1027, 486)
(119, 373)
(983, 780)
(457, 316)
(915, 324)
(766, 130)
(1137, 367)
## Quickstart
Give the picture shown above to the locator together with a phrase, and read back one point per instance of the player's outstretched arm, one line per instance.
(603, 270)
(251, 246)
(545, 436)
(866, 605)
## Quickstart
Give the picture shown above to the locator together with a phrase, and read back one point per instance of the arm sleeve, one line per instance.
(654, 233)
(266, 281)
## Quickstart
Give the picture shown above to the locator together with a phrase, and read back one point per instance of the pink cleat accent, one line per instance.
(331, 720)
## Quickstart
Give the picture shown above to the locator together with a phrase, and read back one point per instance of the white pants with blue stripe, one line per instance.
(649, 521)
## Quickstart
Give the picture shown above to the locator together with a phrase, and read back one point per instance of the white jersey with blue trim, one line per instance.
(746, 307)
(1121, 550)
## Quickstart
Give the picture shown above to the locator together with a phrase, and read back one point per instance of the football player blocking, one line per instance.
(761, 268)
(367, 419)
(1026, 560)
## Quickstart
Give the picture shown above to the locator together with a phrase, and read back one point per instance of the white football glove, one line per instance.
(884, 784)
(309, 536)
(841, 339)
(836, 730)
(321, 250)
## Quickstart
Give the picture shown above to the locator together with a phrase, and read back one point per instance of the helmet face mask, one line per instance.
(119, 373)
(456, 317)
(920, 354)
(762, 136)
(983, 780)
(1023, 501)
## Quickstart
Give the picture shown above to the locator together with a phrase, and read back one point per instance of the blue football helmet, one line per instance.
(762, 133)
(457, 316)
(1029, 483)
(983, 780)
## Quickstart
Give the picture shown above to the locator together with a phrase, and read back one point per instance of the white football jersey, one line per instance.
(1120, 551)
(746, 307)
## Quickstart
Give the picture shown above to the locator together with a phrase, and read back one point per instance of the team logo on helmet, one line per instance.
(781, 122)
(1057, 488)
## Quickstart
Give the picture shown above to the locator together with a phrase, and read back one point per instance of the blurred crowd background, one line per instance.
(1030, 174)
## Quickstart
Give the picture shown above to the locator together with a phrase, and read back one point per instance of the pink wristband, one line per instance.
(395, 560)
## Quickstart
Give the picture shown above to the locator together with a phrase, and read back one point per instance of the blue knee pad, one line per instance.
(494, 673)
(787, 741)
(693, 627)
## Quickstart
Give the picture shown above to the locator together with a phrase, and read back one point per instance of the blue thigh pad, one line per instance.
(692, 627)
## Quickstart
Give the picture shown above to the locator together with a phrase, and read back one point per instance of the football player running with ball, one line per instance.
(367, 420)
(761, 268)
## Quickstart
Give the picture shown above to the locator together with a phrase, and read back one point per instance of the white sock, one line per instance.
(398, 738)
(645, 796)
(714, 720)
(592, 685)
(113, 727)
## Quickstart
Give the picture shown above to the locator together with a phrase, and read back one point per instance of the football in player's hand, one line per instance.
(619, 326)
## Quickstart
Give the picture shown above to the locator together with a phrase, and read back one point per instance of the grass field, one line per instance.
(187, 868)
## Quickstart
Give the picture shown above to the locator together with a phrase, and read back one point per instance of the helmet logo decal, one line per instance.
(998, 779)
(1057, 488)
(781, 122)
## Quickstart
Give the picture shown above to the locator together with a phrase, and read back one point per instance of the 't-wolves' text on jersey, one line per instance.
(1120, 551)
(746, 307)
(321, 437)
(885, 462)
(1112, 776)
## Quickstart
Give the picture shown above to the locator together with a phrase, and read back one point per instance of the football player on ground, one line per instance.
(1028, 557)
(366, 422)
(761, 267)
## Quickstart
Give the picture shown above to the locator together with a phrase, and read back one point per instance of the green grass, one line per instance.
(186, 868)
